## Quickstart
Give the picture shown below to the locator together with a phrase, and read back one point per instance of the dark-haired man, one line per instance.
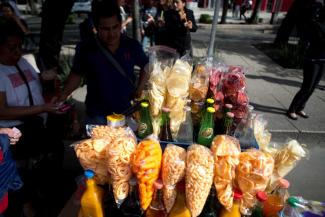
(108, 89)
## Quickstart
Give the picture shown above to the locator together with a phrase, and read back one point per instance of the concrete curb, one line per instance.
(256, 27)
(306, 137)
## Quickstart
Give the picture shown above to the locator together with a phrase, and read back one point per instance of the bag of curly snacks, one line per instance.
(173, 171)
(146, 165)
(198, 178)
(225, 150)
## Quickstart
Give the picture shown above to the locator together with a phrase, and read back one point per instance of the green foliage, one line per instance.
(205, 18)
(71, 19)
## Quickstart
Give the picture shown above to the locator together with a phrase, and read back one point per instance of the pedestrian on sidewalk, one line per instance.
(179, 23)
(160, 30)
(313, 66)
(236, 11)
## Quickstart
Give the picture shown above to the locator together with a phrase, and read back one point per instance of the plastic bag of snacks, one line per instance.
(199, 177)
(225, 150)
(119, 155)
(173, 171)
(200, 81)
(161, 60)
(285, 159)
(262, 135)
(146, 166)
(216, 77)
(252, 175)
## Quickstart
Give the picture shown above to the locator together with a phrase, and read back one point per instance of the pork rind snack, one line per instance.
(119, 155)
(173, 171)
(225, 150)
(199, 177)
(252, 175)
(285, 159)
(146, 165)
(92, 155)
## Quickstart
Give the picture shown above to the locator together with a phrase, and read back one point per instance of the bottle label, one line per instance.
(142, 128)
(207, 133)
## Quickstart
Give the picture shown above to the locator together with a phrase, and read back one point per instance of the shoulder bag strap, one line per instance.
(113, 61)
(22, 75)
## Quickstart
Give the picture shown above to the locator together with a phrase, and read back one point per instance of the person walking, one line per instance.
(313, 65)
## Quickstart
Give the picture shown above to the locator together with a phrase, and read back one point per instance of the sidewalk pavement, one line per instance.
(271, 88)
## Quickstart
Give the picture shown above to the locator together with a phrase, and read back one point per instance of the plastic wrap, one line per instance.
(252, 175)
(285, 159)
(262, 135)
(225, 150)
(199, 177)
(119, 154)
(146, 165)
(173, 171)
(161, 60)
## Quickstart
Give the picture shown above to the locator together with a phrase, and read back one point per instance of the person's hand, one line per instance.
(51, 107)
(129, 19)
(150, 19)
(14, 134)
(161, 22)
(189, 24)
(50, 74)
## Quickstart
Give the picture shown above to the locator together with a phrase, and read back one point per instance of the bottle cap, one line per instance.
(144, 104)
(261, 196)
(158, 184)
(210, 100)
(250, 108)
(228, 106)
(89, 174)
(165, 109)
(116, 120)
(211, 110)
(238, 195)
(181, 186)
(292, 201)
(230, 114)
(187, 108)
(283, 183)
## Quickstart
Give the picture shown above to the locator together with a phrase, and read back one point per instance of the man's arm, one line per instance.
(143, 78)
(73, 83)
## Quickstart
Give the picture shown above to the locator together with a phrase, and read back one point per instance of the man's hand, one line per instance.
(14, 134)
(189, 24)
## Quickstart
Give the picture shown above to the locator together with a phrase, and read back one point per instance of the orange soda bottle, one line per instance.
(235, 210)
(276, 200)
(179, 209)
(91, 200)
(157, 208)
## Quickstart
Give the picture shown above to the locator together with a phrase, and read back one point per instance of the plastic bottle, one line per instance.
(210, 208)
(110, 206)
(206, 131)
(185, 132)
(145, 123)
(290, 208)
(235, 210)
(91, 200)
(131, 206)
(179, 209)
(261, 197)
(276, 200)
(157, 208)
(245, 131)
(227, 123)
(165, 133)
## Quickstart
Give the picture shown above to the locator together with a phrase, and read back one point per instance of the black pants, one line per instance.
(313, 72)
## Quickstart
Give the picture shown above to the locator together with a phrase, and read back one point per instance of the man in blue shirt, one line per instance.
(108, 90)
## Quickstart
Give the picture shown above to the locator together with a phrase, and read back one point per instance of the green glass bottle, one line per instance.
(206, 131)
(145, 124)
(261, 197)
(165, 132)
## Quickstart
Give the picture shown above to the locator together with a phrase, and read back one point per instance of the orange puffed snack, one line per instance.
(225, 150)
(253, 174)
(146, 166)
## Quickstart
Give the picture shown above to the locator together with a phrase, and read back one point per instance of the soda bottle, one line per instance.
(185, 132)
(245, 131)
(227, 123)
(145, 123)
(157, 208)
(110, 206)
(165, 133)
(235, 210)
(261, 197)
(179, 209)
(276, 200)
(206, 131)
(91, 200)
(290, 208)
(131, 206)
(210, 208)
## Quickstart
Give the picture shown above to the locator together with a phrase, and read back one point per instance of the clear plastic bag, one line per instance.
(173, 171)
(146, 166)
(262, 135)
(199, 177)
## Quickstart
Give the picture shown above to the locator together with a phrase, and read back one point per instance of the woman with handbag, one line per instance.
(22, 106)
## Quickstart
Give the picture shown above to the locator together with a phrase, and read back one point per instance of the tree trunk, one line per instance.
(33, 8)
(275, 11)
(136, 21)
(290, 21)
(214, 28)
(254, 18)
(224, 11)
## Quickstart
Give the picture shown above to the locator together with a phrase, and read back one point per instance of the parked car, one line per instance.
(81, 6)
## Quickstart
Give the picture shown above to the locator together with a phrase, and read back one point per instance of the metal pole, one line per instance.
(136, 20)
(214, 28)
